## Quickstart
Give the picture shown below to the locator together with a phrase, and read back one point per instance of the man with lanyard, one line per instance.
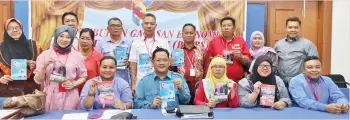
(292, 50)
(312, 91)
(147, 44)
(108, 46)
(71, 19)
(229, 45)
(193, 55)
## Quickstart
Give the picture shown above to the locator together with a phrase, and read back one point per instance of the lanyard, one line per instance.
(312, 89)
(65, 62)
(148, 50)
(191, 60)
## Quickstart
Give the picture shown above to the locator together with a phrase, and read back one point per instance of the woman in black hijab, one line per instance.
(16, 46)
(249, 88)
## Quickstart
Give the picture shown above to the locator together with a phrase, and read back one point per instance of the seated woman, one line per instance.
(120, 89)
(16, 46)
(216, 90)
(249, 87)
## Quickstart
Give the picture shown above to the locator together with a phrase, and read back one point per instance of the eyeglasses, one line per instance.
(11, 28)
(264, 66)
(218, 67)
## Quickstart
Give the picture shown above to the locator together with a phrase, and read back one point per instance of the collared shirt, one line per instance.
(122, 92)
(291, 54)
(304, 97)
(216, 47)
(149, 88)
(92, 63)
(193, 59)
(107, 46)
(139, 46)
(246, 87)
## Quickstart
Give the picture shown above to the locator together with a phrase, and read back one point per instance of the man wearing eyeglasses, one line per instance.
(108, 46)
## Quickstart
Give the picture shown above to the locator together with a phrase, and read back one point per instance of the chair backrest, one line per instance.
(338, 79)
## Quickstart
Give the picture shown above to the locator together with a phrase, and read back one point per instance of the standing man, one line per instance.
(147, 44)
(193, 55)
(107, 46)
(71, 19)
(292, 50)
(230, 45)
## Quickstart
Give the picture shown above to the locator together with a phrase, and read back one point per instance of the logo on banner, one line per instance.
(139, 8)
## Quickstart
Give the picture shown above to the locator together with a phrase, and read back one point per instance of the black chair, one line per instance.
(339, 80)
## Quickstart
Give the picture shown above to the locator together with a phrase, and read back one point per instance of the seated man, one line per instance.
(312, 91)
(148, 90)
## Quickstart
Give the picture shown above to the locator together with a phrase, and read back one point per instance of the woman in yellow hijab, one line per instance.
(216, 90)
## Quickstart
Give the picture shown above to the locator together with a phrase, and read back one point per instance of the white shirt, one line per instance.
(139, 46)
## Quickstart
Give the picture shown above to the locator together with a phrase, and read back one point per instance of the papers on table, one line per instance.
(107, 114)
(5, 114)
(75, 116)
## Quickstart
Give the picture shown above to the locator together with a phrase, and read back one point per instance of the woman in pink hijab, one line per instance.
(257, 49)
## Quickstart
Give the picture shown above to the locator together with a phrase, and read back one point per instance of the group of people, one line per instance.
(225, 74)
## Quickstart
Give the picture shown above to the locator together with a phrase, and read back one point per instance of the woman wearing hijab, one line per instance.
(249, 87)
(61, 70)
(92, 56)
(216, 90)
(16, 46)
(257, 48)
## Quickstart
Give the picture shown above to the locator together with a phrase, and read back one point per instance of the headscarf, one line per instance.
(270, 79)
(261, 50)
(60, 30)
(15, 49)
(212, 79)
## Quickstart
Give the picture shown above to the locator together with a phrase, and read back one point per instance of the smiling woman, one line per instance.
(16, 46)
(61, 58)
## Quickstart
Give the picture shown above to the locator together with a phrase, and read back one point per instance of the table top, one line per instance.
(219, 113)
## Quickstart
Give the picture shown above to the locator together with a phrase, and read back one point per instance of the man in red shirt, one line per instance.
(233, 48)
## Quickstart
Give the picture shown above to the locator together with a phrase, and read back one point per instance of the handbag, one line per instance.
(30, 104)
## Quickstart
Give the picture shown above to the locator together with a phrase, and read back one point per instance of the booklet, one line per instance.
(221, 92)
(75, 116)
(267, 95)
(178, 56)
(106, 92)
(19, 69)
(167, 92)
(8, 113)
(144, 64)
(228, 57)
(120, 55)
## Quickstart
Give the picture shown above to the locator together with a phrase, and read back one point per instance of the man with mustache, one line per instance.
(312, 91)
(107, 46)
(145, 45)
(292, 50)
(229, 44)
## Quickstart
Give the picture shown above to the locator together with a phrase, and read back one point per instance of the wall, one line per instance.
(340, 58)
(22, 13)
(255, 19)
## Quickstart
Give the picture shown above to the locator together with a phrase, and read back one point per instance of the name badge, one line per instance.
(192, 72)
